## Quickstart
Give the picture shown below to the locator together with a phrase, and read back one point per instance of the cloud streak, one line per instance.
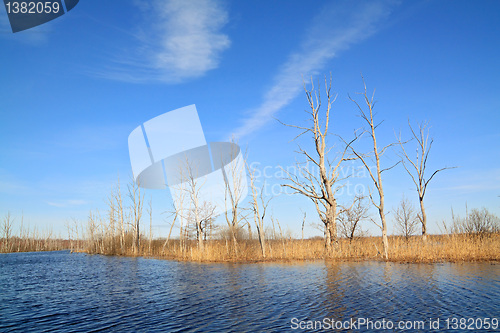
(335, 29)
(473, 181)
(67, 203)
(182, 41)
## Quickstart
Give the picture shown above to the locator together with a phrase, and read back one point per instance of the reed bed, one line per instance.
(437, 248)
(99, 237)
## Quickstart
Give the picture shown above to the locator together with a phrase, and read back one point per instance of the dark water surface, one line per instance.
(59, 291)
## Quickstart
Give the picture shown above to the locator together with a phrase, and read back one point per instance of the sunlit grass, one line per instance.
(101, 239)
(438, 248)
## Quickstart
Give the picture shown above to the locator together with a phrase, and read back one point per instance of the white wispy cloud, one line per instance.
(67, 203)
(181, 40)
(471, 181)
(337, 27)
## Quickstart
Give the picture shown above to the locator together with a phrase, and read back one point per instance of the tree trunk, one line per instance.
(331, 227)
(261, 241)
(235, 242)
(234, 228)
(137, 238)
(332, 235)
(200, 238)
(380, 189)
(385, 241)
(423, 220)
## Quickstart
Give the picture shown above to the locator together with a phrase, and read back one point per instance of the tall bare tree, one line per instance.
(259, 204)
(193, 189)
(7, 231)
(136, 203)
(235, 189)
(406, 218)
(321, 182)
(374, 157)
(178, 211)
(416, 168)
(150, 212)
(190, 204)
(115, 204)
(92, 237)
(175, 213)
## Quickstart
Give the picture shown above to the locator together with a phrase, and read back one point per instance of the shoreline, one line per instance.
(277, 260)
(455, 248)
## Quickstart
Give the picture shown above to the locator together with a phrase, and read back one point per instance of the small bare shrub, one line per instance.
(406, 218)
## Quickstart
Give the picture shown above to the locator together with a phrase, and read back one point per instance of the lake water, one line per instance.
(59, 291)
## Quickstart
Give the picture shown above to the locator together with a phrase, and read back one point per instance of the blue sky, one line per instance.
(74, 88)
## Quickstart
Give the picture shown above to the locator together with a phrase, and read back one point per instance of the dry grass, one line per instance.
(438, 248)
(452, 247)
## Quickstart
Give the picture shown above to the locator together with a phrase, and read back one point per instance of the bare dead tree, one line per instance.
(70, 234)
(478, 222)
(192, 185)
(193, 191)
(176, 214)
(374, 157)
(416, 168)
(115, 204)
(91, 228)
(318, 178)
(406, 218)
(136, 203)
(235, 186)
(7, 224)
(249, 226)
(350, 217)
(206, 215)
(259, 204)
(482, 222)
(76, 223)
(22, 233)
(150, 212)
(200, 221)
(102, 234)
(115, 217)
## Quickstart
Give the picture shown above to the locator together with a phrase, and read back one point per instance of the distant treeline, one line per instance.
(25, 239)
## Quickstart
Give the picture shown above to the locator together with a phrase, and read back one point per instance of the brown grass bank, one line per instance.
(438, 248)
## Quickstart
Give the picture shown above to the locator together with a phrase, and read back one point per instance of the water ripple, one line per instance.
(59, 291)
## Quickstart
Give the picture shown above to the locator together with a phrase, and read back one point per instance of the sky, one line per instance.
(73, 89)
